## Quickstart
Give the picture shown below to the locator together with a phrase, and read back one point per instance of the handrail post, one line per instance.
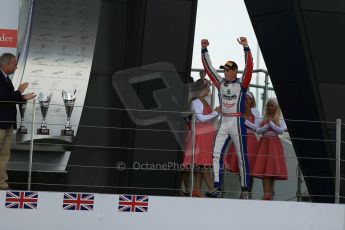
(337, 160)
(299, 183)
(213, 96)
(264, 96)
(193, 152)
(31, 144)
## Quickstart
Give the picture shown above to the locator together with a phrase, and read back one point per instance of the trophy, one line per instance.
(44, 101)
(22, 129)
(69, 100)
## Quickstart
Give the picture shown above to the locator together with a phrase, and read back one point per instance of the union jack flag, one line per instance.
(133, 203)
(78, 201)
(21, 200)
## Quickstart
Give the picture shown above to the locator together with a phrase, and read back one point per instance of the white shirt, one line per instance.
(197, 107)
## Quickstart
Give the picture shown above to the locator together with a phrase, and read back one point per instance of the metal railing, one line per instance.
(178, 167)
(266, 91)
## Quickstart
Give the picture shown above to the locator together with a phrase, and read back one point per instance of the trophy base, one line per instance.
(22, 131)
(67, 132)
(43, 131)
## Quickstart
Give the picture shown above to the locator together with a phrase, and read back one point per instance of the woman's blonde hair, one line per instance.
(250, 94)
(277, 114)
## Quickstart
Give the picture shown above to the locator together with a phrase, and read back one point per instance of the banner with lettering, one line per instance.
(59, 58)
(9, 19)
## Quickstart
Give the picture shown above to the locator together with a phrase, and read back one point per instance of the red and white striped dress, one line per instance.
(204, 135)
(270, 160)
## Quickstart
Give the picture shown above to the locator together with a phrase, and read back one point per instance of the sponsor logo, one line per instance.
(231, 97)
(8, 38)
(228, 105)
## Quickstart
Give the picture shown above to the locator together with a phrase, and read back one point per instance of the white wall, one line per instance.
(174, 213)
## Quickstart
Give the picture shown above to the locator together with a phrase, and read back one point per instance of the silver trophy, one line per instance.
(44, 101)
(22, 129)
(68, 99)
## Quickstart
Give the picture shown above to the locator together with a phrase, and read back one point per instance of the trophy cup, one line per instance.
(69, 100)
(22, 129)
(44, 101)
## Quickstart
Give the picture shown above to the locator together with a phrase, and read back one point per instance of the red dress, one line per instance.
(231, 162)
(204, 140)
(270, 160)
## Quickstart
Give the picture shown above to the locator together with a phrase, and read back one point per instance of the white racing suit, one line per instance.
(232, 97)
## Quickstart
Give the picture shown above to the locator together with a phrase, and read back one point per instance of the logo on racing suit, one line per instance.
(226, 92)
(231, 97)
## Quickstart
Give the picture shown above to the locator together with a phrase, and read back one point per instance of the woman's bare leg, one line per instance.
(208, 178)
(197, 184)
(267, 185)
(184, 181)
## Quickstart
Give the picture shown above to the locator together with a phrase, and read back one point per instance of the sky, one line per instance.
(222, 22)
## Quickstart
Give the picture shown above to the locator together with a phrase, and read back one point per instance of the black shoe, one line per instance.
(217, 193)
(185, 193)
(245, 195)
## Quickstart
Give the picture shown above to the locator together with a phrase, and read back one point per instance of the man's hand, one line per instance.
(22, 87)
(243, 41)
(204, 43)
(29, 96)
(217, 109)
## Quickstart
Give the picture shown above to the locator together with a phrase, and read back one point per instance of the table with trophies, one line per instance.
(67, 134)
(43, 140)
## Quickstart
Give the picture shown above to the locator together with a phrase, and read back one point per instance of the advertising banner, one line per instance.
(58, 61)
(9, 19)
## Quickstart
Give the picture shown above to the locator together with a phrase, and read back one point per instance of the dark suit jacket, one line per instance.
(8, 109)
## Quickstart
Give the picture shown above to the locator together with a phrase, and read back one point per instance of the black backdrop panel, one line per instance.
(90, 165)
(132, 34)
(326, 50)
(332, 103)
(325, 6)
(166, 39)
(111, 38)
(279, 33)
(302, 44)
(268, 7)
